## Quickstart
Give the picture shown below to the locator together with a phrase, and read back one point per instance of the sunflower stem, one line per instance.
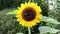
(29, 31)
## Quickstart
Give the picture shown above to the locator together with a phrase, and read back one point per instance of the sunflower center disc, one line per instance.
(28, 14)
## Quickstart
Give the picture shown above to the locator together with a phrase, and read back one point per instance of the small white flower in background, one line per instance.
(50, 7)
(52, 4)
(49, 1)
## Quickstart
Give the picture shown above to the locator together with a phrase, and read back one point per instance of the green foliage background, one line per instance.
(8, 23)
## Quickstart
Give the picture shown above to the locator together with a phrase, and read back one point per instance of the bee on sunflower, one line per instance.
(28, 15)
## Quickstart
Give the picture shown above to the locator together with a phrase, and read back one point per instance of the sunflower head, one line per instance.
(29, 14)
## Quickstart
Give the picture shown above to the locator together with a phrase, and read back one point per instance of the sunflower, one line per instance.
(28, 14)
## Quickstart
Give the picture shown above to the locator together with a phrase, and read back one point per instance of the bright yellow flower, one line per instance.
(29, 14)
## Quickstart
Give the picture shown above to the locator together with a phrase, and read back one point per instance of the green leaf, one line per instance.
(59, 33)
(12, 12)
(19, 33)
(45, 29)
(49, 20)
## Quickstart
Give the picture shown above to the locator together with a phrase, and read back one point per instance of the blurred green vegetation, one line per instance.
(10, 3)
(9, 24)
